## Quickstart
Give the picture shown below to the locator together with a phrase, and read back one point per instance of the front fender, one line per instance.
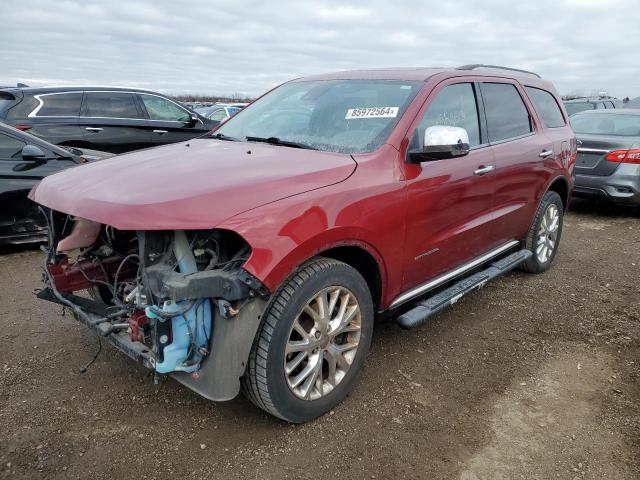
(278, 246)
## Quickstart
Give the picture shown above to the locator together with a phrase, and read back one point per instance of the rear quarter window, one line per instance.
(60, 105)
(547, 106)
(507, 115)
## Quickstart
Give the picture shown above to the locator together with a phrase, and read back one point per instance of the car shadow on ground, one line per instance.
(602, 208)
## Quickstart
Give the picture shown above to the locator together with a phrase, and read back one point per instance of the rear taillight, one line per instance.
(624, 156)
(24, 128)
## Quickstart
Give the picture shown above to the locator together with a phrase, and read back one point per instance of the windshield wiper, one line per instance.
(277, 141)
(222, 136)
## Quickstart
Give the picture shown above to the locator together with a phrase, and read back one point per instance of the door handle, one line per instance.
(484, 170)
(93, 129)
(545, 153)
(160, 132)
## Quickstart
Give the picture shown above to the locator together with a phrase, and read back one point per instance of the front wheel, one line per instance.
(312, 345)
(545, 232)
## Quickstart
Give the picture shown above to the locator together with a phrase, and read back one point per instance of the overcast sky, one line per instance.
(226, 47)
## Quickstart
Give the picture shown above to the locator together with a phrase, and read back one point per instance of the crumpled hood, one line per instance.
(192, 185)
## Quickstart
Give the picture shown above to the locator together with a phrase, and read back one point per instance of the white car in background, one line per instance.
(221, 112)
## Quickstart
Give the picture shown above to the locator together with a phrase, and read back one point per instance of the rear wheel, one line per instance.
(312, 345)
(545, 232)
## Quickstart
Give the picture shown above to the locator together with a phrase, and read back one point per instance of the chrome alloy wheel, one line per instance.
(322, 343)
(548, 233)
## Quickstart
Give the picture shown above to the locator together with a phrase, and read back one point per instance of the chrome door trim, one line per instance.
(414, 292)
(545, 153)
(592, 150)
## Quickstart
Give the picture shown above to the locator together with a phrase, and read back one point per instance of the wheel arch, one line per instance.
(364, 262)
(355, 252)
(560, 185)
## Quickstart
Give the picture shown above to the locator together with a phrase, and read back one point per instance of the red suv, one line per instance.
(257, 257)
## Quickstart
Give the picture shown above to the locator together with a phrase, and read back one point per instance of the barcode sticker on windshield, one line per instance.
(372, 112)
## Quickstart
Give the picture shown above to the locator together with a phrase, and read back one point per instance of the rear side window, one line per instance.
(110, 105)
(507, 116)
(10, 147)
(60, 105)
(547, 106)
(454, 106)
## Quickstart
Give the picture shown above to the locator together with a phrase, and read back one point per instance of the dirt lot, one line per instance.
(533, 377)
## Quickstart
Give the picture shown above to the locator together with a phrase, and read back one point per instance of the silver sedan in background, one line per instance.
(608, 164)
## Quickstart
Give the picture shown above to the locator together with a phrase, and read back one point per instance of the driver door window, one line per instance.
(454, 106)
(159, 108)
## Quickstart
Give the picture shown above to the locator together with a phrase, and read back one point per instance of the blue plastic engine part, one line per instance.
(190, 331)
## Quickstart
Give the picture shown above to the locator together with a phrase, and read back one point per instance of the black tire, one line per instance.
(532, 242)
(264, 382)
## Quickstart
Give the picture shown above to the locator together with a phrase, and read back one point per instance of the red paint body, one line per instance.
(291, 204)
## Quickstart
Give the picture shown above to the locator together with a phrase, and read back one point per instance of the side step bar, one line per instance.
(438, 302)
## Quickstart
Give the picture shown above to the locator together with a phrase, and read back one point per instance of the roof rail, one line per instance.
(473, 66)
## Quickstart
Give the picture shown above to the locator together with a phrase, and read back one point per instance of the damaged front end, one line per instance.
(177, 301)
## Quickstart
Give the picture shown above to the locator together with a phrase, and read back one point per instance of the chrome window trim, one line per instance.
(34, 113)
(425, 287)
(512, 139)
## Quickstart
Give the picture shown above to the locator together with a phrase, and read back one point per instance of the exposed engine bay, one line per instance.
(158, 296)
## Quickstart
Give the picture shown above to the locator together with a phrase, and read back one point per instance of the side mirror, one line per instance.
(193, 119)
(33, 153)
(442, 142)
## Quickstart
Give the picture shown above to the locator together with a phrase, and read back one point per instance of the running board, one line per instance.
(438, 302)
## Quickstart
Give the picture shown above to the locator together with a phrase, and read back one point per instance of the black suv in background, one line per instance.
(581, 104)
(24, 161)
(109, 119)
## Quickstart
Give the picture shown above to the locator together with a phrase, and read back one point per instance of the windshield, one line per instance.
(607, 124)
(347, 116)
(577, 107)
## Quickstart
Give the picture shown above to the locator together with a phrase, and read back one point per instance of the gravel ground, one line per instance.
(533, 377)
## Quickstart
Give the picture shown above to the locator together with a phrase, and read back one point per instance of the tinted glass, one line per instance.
(547, 106)
(607, 124)
(609, 104)
(110, 105)
(60, 105)
(10, 147)
(160, 108)
(576, 107)
(347, 116)
(4, 104)
(507, 117)
(454, 106)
